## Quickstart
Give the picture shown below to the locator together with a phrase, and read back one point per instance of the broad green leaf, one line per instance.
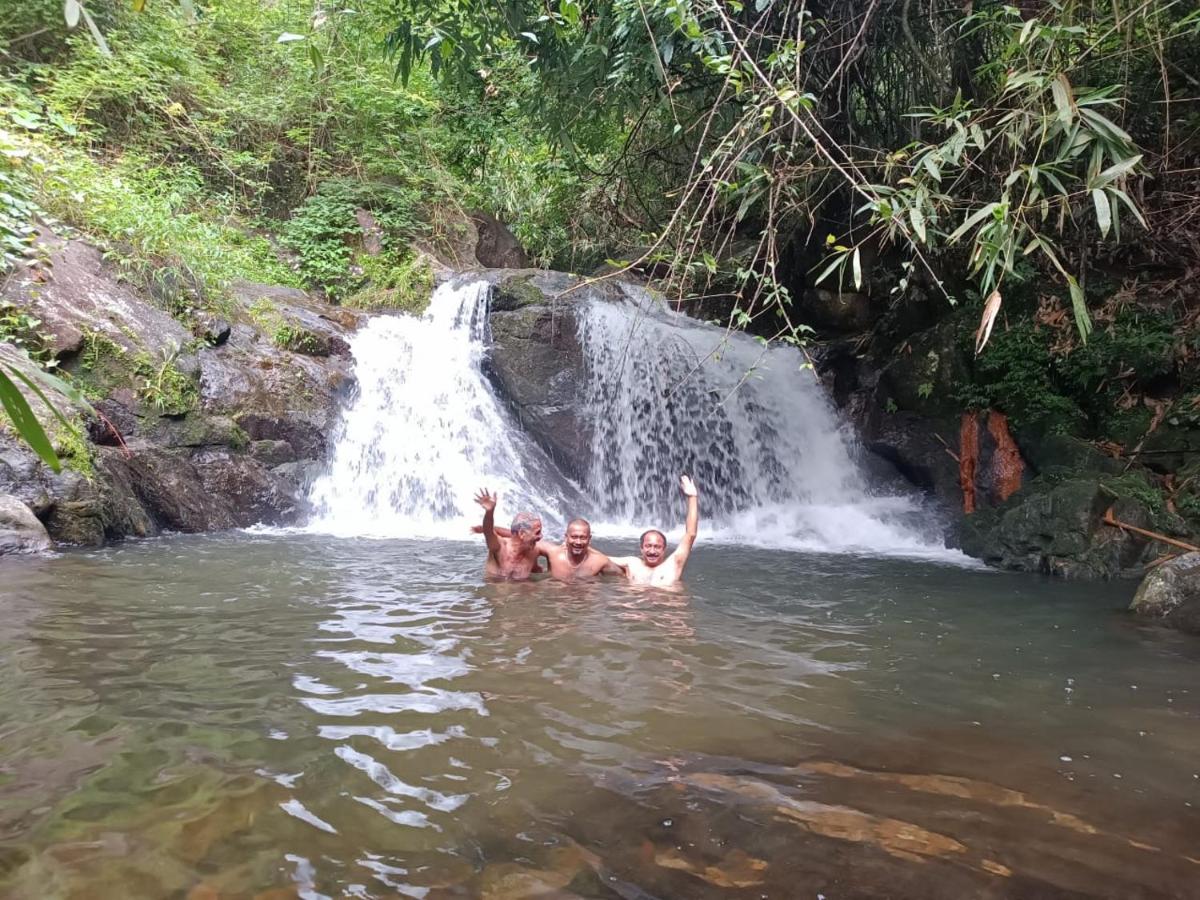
(1103, 211)
(26, 423)
(41, 396)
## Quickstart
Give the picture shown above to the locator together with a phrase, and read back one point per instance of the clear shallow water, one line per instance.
(244, 716)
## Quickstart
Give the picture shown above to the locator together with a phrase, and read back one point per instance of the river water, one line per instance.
(296, 715)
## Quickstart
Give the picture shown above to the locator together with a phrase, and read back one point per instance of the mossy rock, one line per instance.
(515, 292)
(1057, 528)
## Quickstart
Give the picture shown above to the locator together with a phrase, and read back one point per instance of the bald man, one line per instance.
(575, 558)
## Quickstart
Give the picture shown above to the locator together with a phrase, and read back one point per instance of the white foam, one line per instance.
(666, 395)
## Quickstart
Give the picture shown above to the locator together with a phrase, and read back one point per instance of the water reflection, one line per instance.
(227, 716)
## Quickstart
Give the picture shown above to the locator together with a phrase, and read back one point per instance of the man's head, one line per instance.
(579, 538)
(526, 528)
(654, 547)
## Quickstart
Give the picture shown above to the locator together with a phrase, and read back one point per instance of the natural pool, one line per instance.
(258, 715)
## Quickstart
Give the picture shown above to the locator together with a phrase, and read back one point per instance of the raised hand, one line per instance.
(486, 500)
(687, 486)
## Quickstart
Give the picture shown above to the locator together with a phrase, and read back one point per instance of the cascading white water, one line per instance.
(666, 394)
(425, 431)
(750, 422)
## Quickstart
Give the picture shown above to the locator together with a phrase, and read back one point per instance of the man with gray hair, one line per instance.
(515, 556)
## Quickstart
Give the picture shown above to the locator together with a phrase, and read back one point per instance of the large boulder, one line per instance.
(536, 360)
(225, 434)
(74, 294)
(20, 530)
(497, 247)
(1170, 593)
(1057, 528)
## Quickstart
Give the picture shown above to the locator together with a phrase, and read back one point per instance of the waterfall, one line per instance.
(750, 422)
(665, 394)
(425, 431)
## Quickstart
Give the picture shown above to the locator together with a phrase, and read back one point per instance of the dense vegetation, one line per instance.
(1035, 163)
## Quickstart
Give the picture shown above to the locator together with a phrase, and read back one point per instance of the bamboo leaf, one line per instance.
(1116, 170)
(838, 262)
(972, 220)
(918, 221)
(991, 308)
(101, 44)
(1103, 211)
(26, 423)
(1124, 198)
(1082, 320)
(1060, 87)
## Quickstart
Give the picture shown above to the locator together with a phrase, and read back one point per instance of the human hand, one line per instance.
(687, 486)
(486, 500)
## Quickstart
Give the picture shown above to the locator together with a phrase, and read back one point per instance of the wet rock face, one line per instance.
(258, 393)
(497, 247)
(20, 530)
(537, 363)
(1057, 528)
(1170, 594)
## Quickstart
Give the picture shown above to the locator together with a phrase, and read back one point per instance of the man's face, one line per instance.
(578, 538)
(531, 535)
(653, 549)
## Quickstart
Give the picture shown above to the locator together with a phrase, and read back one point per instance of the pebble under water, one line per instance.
(270, 716)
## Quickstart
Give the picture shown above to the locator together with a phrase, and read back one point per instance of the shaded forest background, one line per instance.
(858, 172)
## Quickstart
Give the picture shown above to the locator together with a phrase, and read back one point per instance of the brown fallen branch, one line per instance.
(1110, 519)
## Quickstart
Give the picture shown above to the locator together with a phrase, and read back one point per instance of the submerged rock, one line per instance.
(1170, 593)
(20, 530)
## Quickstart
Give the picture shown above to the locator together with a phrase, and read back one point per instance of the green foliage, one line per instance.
(19, 328)
(324, 230)
(162, 385)
(403, 285)
(1090, 388)
(1016, 376)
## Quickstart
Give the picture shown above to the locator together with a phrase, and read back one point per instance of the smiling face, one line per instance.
(654, 548)
(579, 538)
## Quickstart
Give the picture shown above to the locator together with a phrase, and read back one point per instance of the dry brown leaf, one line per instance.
(991, 308)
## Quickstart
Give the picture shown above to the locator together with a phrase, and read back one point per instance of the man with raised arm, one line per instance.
(573, 559)
(654, 567)
(514, 557)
